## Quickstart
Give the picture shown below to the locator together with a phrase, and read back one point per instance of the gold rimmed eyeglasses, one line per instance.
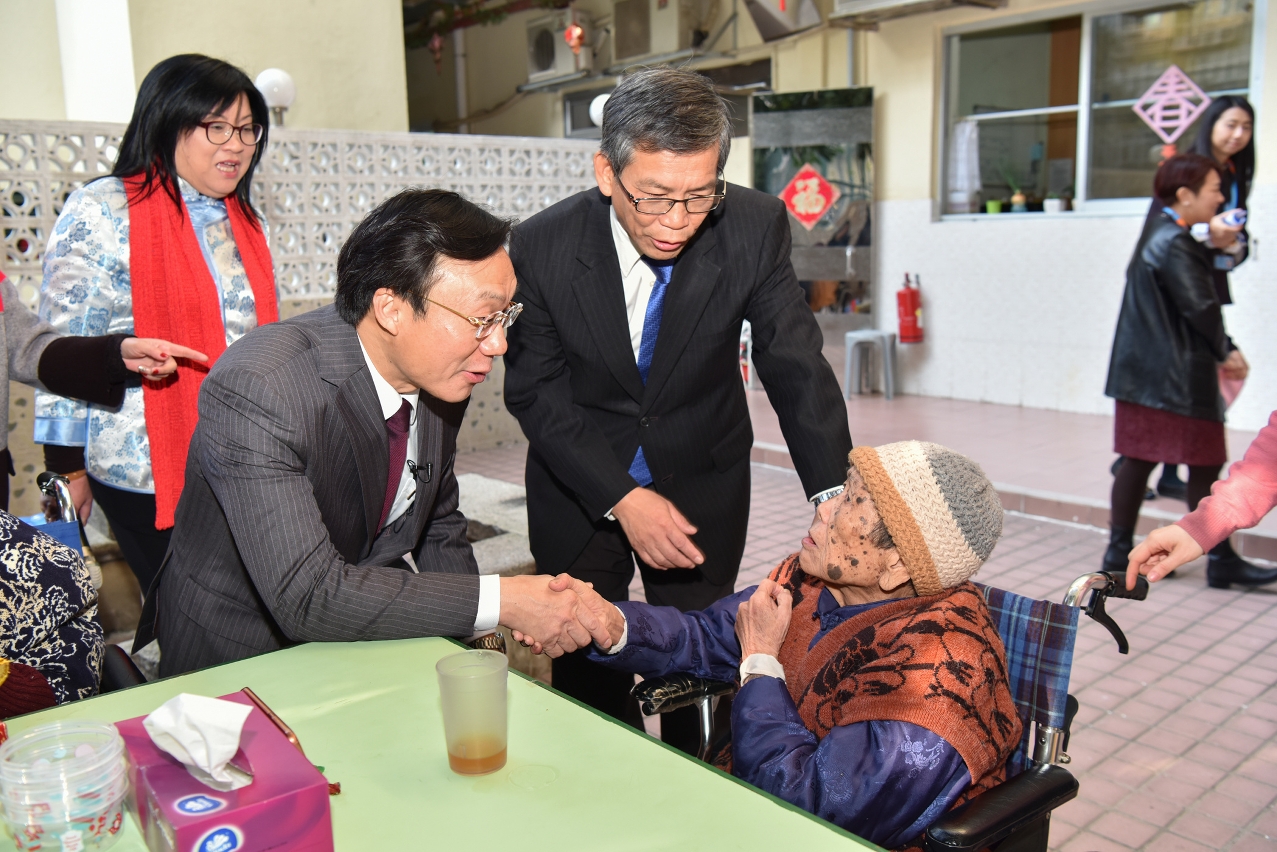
(484, 326)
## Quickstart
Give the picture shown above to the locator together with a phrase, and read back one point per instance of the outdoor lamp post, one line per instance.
(279, 90)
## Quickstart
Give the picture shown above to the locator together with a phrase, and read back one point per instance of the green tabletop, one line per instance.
(369, 713)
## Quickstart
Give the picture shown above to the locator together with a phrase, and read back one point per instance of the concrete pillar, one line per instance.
(97, 59)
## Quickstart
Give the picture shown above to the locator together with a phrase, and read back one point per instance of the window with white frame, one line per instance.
(1042, 110)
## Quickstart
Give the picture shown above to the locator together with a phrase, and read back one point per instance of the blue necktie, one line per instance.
(664, 269)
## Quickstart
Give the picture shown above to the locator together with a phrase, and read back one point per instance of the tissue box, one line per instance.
(286, 806)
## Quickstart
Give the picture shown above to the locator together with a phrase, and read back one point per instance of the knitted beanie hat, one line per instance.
(940, 508)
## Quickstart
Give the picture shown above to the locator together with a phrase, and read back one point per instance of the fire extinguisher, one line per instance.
(909, 308)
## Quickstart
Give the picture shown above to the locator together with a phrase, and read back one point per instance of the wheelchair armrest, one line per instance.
(994, 814)
(119, 671)
(674, 692)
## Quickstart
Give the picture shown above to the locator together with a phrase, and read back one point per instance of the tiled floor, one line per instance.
(1175, 746)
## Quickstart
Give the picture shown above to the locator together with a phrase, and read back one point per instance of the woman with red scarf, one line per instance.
(168, 246)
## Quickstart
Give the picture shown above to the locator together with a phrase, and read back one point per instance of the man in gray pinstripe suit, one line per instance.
(320, 499)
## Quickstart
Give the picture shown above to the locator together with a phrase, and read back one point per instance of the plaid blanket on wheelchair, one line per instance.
(1039, 637)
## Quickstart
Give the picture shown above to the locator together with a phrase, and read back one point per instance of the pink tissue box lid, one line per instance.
(278, 767)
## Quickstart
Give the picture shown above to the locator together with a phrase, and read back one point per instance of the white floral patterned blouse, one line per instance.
(87, 292)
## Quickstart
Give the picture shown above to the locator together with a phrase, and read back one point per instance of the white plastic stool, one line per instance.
(855, 342)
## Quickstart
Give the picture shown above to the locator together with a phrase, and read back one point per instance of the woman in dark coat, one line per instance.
(1168, 351)
(1226, 135)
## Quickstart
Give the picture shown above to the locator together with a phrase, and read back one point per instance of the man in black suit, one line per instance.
(624, 370)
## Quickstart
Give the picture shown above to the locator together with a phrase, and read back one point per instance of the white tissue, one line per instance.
(203, 733)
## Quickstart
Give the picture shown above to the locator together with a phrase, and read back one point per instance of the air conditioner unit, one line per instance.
(549, 54)
(643, 29)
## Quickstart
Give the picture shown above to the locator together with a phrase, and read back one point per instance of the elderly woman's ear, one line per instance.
(895, 577)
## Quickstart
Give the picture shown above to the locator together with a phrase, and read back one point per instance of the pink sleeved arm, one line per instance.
(1243, 499)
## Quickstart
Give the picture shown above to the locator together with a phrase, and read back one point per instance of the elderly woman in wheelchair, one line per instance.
(874, 689)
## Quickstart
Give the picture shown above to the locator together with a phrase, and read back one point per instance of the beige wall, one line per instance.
(32, 87)
(347, 58)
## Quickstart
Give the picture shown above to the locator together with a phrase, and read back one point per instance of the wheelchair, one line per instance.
(1039, 636)
(62, 523)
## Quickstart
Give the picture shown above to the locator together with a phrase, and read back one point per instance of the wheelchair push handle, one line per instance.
(1103, 585)
(58, 489)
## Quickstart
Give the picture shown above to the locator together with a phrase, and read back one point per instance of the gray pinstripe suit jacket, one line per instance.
(275, 541)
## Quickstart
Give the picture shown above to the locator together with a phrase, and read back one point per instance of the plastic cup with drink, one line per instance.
(472, 689)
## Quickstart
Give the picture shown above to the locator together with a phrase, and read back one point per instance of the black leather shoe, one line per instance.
(1222, 571)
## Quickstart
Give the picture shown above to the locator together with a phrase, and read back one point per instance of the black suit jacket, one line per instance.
(572, 381)
(276, 538)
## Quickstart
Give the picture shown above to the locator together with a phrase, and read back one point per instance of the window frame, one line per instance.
(1088, 12)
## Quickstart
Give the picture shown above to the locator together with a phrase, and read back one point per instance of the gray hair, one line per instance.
(665, 109)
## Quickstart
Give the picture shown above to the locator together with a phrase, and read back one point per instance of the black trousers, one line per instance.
(608, 562)
(132, 517)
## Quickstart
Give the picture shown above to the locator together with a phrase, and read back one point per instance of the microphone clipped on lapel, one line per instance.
(421, 473)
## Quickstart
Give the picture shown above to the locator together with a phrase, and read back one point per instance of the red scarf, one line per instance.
(175, 298)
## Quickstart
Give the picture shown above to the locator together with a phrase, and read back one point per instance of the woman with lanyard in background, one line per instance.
(1226, 135)
(168, 246)
(1169, 352)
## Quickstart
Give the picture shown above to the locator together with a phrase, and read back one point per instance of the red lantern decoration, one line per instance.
(574, 35)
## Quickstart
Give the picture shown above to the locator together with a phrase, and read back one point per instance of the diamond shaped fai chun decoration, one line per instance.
(809, 196)
(1171, 104)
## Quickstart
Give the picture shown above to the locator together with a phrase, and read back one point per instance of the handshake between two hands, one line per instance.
(557, 615)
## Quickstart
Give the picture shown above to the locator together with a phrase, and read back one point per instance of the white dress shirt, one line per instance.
(391, 400)
(637, 278)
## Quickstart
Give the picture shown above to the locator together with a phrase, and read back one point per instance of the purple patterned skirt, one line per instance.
(1154, 435)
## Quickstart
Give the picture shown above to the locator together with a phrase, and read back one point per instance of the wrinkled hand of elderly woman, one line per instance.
(763, 620)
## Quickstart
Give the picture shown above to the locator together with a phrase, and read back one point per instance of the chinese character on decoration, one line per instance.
(808, 196)
(1171, 104)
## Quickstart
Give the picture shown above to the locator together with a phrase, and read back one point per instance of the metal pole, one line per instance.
(459, 65)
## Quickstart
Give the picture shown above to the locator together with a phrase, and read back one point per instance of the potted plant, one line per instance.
(1052, 203)
(1017, 196)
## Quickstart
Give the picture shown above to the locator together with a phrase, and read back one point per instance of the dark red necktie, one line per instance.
(397, 432)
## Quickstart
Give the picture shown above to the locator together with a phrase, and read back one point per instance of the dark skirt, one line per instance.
(1154, 435)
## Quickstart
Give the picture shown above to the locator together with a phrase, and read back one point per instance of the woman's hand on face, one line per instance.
(763, 620)
(152, 358)
(1235, 366)
(1223, 235)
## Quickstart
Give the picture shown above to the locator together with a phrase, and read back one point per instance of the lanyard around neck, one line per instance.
(1175, 217)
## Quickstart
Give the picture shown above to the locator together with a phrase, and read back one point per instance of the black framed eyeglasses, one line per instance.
(484, 326)
(220, 132)
(695, 204)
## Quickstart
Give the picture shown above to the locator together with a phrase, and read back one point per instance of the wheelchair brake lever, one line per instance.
(1095, 609)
